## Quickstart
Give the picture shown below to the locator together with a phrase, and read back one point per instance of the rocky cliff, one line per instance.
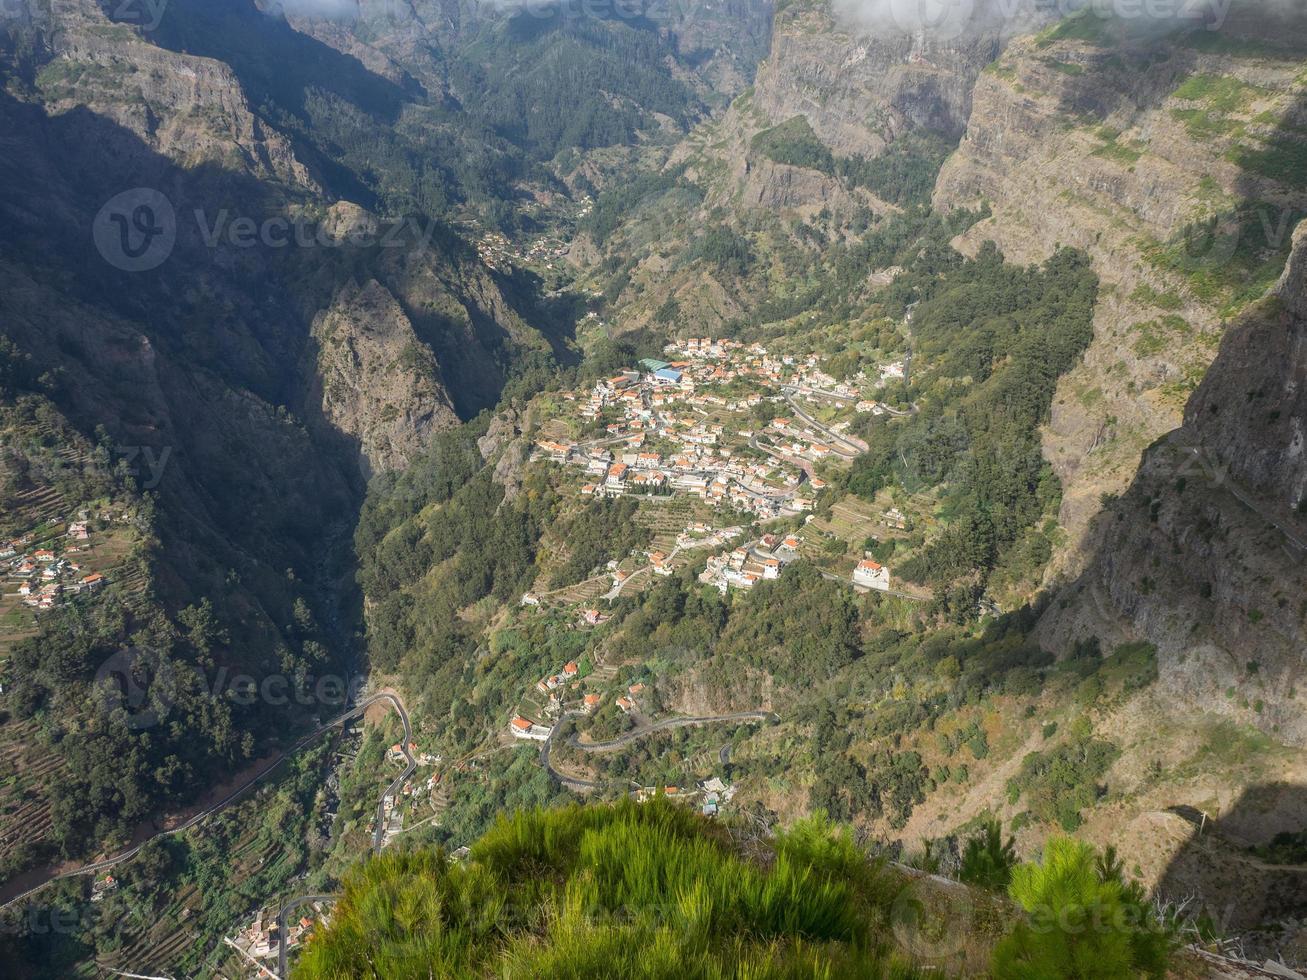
(244, 203)
(191, 110)
(1250, 414)
(378, 381)
(1085, 136)
(1203, 554)
(863, 86)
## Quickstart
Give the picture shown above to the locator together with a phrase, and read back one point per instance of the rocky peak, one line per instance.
(378, 383)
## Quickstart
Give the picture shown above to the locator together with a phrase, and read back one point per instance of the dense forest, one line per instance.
(552, 82)
(994, 339)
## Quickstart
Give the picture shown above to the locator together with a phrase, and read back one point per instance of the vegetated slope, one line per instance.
(553, 77)
(272, 370)
(1173, 161)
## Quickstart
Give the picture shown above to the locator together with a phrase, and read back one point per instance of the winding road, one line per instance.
(851, 447)
(286, 909)
(378, 834)
(572, 782)
(411, 765)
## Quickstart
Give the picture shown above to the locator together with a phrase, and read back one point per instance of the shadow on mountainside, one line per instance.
(1204, 553)
(1245, 868)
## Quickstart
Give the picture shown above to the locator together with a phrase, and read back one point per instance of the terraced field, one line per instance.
(28, 768)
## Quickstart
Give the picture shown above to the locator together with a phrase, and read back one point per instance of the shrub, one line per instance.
(630, 890)
(988, 860)
(1083, 922)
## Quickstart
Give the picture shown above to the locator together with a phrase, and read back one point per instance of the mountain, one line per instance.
(314, 321)
(282, 343)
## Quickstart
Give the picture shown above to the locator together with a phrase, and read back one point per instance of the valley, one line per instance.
(774, 413)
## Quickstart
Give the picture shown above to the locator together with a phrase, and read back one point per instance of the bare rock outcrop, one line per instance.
(378, 383)
(862, 88)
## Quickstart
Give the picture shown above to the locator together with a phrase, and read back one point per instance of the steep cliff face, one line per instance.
(861, 88)
(1081, 136)
(237, 320)
(190, 109)
(378, 381)
(1203, 554)
(1250, 413)
(242, 204)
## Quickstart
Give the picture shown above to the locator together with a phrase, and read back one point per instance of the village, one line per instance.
(500, 253)
(722, 422)
(261, 938)
(50, 565)
(729, 429)
(744, 430)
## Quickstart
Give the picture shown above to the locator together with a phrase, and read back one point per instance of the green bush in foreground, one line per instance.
(649, 890)
(655, 891)
(988, 859)
(1083, 922)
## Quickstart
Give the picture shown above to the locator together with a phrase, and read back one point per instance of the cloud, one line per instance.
(937, 19)
(326, 9)
(945, 20)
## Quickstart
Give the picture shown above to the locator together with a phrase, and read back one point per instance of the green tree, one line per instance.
(987, 859)
(1080, 925)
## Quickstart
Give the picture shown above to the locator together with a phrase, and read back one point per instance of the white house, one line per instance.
(522, 728)
(872, 575)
